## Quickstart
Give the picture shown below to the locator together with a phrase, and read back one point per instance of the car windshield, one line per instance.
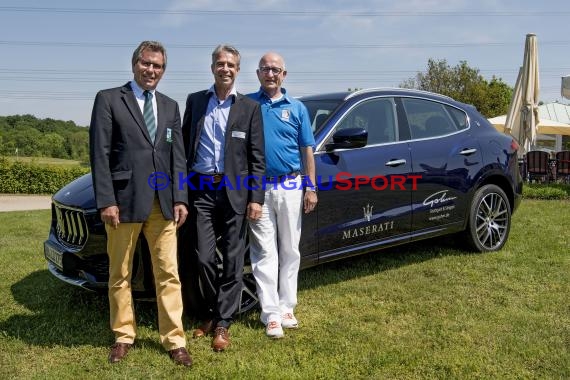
(319, 110)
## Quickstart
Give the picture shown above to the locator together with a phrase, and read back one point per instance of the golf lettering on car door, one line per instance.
(363, 196)
(442, 197)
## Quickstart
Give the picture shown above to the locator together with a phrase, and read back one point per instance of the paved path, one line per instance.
(12, 202)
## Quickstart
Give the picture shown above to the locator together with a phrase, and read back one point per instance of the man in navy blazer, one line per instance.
(137, 153)
(223, 137)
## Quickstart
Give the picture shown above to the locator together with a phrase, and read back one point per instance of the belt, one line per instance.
(213, 178)
(279, 178)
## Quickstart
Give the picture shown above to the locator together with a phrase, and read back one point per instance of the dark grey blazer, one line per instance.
(244, 151)
(123, 157)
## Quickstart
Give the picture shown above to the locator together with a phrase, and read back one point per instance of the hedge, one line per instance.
(550, 191)
(29, 178)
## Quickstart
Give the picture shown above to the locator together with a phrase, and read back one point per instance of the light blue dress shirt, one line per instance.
(210, 152)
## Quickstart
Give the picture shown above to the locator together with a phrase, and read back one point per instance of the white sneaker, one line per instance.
(289, 321)
(274, 330)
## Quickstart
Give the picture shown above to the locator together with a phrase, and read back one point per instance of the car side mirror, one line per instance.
(348, 138)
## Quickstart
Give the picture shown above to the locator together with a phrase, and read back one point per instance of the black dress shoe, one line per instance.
(118, 352)
(180, 356)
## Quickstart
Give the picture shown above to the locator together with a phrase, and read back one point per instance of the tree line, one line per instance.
(26, 135)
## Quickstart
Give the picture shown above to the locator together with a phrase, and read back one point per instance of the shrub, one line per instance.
(30, 178)
(546, 191)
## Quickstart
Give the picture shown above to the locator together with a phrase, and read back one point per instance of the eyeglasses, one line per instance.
(154, 66)
(274, 70)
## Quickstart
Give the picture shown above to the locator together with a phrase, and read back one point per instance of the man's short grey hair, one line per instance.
(154, 46)
(228, 49)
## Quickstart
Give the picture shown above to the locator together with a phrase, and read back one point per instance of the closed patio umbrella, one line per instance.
(522, 117)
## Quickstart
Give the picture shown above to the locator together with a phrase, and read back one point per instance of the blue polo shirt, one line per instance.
(287, 128)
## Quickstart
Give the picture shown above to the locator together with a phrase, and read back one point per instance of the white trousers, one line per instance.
(274, 249)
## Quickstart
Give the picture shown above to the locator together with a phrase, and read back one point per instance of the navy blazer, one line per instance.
(124, 159)
(244, 150)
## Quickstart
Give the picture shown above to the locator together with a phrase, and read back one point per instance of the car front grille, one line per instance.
(71, 227)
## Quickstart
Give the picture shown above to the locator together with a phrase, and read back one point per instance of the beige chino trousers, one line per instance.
(121, 242)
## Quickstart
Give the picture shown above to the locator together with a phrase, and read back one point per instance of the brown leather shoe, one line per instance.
(221, 339)
(180, 356)
(204, 329)
(118, 352)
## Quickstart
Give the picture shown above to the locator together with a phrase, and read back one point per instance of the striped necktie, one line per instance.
(149, 115)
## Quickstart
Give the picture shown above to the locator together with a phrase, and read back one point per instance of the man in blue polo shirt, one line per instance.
(274, 238)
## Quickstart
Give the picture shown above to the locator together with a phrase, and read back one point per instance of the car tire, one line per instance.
(249, 299)
(489, 221)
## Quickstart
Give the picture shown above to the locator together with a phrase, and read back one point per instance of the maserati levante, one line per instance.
(393, 166)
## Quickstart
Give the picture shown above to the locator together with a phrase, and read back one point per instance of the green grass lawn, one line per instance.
(425, 310)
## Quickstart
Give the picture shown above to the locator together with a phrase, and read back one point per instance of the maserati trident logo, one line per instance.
(366, 228)
(367, 212)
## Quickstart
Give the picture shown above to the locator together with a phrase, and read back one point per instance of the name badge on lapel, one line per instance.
(168, 135)
(238, 134)
(285, 115)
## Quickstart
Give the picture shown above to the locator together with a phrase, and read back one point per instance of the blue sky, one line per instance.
(58, 54)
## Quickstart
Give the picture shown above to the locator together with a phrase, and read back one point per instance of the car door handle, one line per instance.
(468, 151)
(396, 162)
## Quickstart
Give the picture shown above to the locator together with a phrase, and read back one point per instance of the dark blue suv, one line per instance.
(393, 166)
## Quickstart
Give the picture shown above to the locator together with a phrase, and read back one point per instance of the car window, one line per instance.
(319, 111)
(376, 116)
(459, 117)
(430, 119)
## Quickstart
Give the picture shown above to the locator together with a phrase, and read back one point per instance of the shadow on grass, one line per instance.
(371, 263)
(61, 314)
(382, 260)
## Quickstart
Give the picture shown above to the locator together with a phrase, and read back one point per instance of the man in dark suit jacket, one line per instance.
(137, 153)
(223, 136)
